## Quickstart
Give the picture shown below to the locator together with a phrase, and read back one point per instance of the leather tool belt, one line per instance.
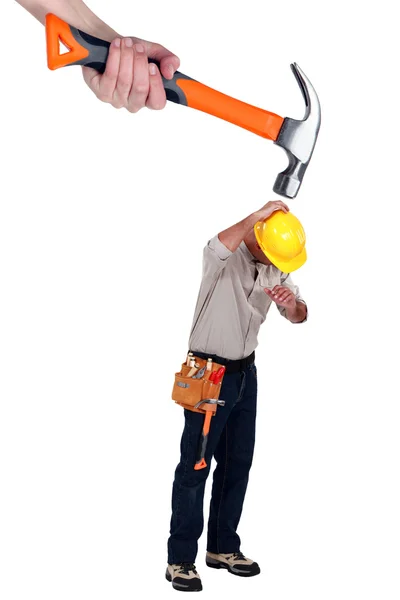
(192, 392)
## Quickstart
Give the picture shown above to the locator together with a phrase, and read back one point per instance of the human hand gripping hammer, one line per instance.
(296, 137)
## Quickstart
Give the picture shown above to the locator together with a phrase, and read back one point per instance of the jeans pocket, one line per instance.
(253, 369)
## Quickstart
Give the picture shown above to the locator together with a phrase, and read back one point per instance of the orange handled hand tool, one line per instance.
(87, 50)
(201, 453)
(210, 407)
(92, 52)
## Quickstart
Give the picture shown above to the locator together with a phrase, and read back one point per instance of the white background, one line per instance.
(103, 217)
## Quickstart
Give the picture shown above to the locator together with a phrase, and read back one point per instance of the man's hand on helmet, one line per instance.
(267, 210)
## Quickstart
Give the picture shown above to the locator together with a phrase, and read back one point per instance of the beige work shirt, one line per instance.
(232, 304)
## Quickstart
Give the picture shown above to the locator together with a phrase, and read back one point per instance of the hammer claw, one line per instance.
(298, 138)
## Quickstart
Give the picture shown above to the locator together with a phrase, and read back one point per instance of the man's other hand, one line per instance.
(282, 296)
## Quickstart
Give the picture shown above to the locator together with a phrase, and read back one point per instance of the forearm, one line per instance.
(298, 313)
(74, 12)
(233, 237)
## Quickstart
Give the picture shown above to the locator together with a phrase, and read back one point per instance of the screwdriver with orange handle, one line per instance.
(86, 50)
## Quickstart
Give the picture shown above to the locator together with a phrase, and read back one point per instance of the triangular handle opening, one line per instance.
(59, 36)
(62, 47)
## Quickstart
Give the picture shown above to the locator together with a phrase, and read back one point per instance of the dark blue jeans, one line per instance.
(231, 442)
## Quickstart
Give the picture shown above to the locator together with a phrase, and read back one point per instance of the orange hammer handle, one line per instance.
(86, 50)
(256, 120)
(201, 461)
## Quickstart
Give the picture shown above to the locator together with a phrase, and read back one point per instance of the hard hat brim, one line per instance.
(287, 266)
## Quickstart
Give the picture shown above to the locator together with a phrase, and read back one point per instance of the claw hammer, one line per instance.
(210, 408)
(296, 137)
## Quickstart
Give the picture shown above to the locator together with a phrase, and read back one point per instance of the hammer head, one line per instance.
(298, 139)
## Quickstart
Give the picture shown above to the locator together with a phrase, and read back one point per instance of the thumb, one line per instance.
(92, 78)
(169, 62)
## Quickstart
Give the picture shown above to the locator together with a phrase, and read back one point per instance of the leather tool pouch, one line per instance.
(188, 392)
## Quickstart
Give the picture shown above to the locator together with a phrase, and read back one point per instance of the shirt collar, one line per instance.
(248, 255)
(268, 269)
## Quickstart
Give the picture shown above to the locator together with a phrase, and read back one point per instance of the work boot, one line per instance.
(184, 577)
(235, 563)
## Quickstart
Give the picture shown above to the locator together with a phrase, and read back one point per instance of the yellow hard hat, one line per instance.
(282, 239)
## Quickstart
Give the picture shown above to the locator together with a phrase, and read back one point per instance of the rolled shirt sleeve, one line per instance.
(215, 257)
(287, 281)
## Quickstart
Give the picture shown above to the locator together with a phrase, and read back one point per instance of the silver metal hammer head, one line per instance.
(210, 401)
(298, 139)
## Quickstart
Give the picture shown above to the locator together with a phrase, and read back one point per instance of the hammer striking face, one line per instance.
(297, 138)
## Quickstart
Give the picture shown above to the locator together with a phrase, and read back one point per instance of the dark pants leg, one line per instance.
(234, 456)
(229, 486)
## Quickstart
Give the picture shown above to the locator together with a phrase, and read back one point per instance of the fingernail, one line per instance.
(128, 42)
(152, 69)
(170, 69)
(139, 48)
(117, 43)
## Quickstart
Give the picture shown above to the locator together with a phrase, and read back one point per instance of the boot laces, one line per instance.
(239, 556)
(186, 567)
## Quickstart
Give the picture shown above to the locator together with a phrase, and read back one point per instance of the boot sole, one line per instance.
(177, 586)
(220, 565)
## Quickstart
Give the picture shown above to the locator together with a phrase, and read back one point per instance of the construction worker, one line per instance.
(241, 279)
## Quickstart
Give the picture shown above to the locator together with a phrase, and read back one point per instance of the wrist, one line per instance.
(79, 15)
(292, 310)
(96, 27)
(252, 220)
(298, 313)
(258, 216)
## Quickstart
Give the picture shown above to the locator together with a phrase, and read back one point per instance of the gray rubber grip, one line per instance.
(98, 54)
(201, 450)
